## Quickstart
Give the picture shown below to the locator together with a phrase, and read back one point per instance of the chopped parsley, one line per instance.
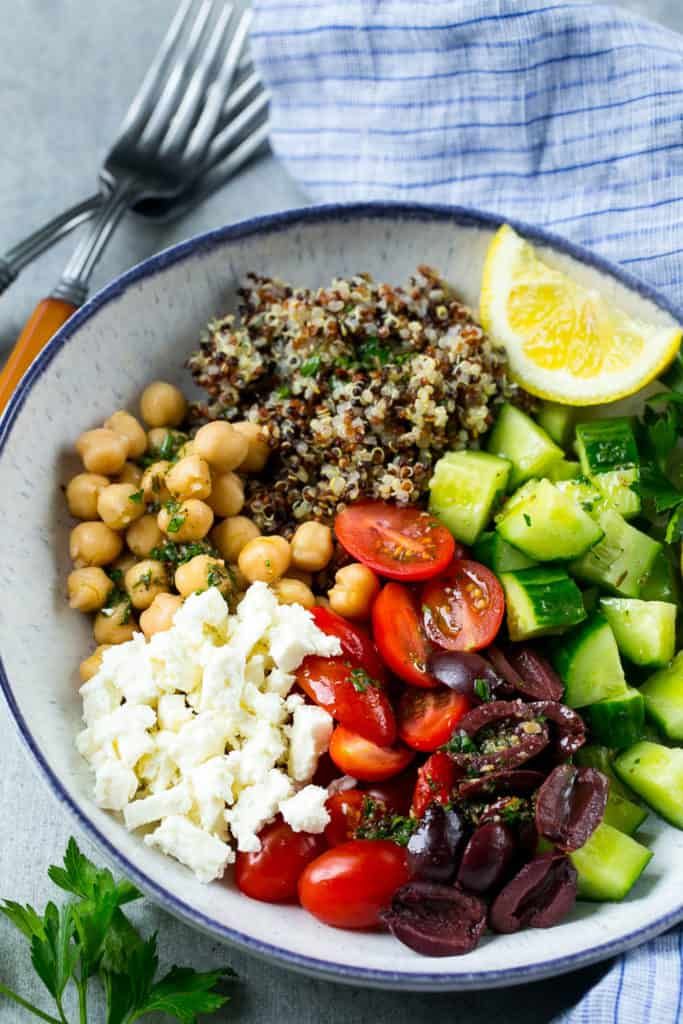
(361, 680)
(459, 743)
(145, 580)
(311, 367)
(527, 518)
(482, 688)
(178, 516)
(137, 497)
(167, 450)
(177, 554)
(373, 352)
(218, 575)
(376, 823)
(284, 391)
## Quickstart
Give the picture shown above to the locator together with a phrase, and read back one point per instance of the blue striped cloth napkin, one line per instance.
(561, 113)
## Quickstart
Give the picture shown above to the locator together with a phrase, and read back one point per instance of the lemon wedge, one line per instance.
(566, 342)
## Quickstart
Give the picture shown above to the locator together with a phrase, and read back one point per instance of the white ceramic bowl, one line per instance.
(142, 327)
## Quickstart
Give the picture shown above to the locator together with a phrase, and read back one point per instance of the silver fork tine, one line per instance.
(240, 95)
(159, 119)
(224, 140)
(197, 89)
(217, 91)
(140, 107)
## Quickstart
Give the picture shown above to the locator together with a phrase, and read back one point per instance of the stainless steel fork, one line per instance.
(162, 146)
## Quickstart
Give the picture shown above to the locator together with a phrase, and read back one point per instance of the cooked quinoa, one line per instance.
(360, 388)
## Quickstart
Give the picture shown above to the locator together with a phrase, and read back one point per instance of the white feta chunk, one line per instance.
(115, 785)
(160, 805)
(211, 785)
(295, 635)
(280, 682)
(173, 712)
(100, 697)
(306, 811)
(256, 806)
(127, 665)
(133, 745)
(202, 617)
(157, 770)
(309, 738)
(203, 737)
(261, 752)
(269, 707)
(172, 664)
(203, 853)
(223, 681)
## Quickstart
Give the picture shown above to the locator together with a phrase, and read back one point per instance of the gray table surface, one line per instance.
(67, 68)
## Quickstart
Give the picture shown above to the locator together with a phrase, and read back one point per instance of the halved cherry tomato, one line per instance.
(272, 874)
(435, 781)
(364, 760)
(326, 772)
(463, 609)
(396, 541)
(347, 886)
(396, 793)
(357, 645)
(400, 638)
(350, 695)
(427, 718)
(346, 815)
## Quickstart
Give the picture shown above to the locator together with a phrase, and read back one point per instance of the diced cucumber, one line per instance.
(589, 664)
(618, 721)
(558, 422)
(517, 438)
(621, 560)
(662, 583)
(663, 695)
(491, 550)
(583, 491)
(645, 631)
(593, 756)
(547, 525)
(464, 490)
(655, 773)
(564, 470)
(609, 864)
(609, 456)
(540, 601)
(591, 599)
(623, 814)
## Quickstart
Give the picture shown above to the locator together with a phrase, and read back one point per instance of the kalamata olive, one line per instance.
(568, 733)
(517, 780)
(434, 847)
(512, 810)
(497, 736)
(570, 805)
(539, 895)
(462, 672)
(486, 857)
(436, 920)
(538, 679)
(504, 669)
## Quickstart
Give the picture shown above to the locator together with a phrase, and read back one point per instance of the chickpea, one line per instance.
(159, 616)
(265, 558)
(116, 628)
(102, 451)
(311, 546)
(143, 581)
(291, 591)
(153, 482)
(227, 494)
(223, 447)
(82, 493)
(88, 588)
(355, 588)
(299, 574)
(189, 478)
(130, 474)
(162, 405)
(259, 449)
(186, 449)
(94, 544)
(156, 437)
(144, 535)
(92, 665)
(202, 572)
(124, 562)
(231, 535)
(119, 505)
(131, 430)
(185, 520)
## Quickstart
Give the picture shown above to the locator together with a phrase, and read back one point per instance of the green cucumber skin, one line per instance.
(645, 631)
(655, 773)
(588, 663)
(522, 442)
(623, 814)
(617, 722)
(621, 560)
(558, 422)
(547, 524)
(564, 470)
(606, 445)
(609, 864)
(594, 756)
(663, 696)
(499, 556)
(457, 478)
(663, 581)
(541, 601)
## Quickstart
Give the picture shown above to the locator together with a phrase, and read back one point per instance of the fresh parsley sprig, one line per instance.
(90, 937)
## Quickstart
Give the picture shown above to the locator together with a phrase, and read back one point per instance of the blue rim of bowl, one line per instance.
(268, 224)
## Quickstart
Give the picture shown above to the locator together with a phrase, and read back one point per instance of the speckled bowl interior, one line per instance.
(142, 327)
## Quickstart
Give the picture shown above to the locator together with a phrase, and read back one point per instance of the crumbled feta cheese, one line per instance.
(306, 810)
(309, 738)
(115, 785)
(172, 663)
(100, 698)
(280, 682)
(261, 752)
(256, 806)
(201, 738)
(212, 790)
(176, 800)
(131, 746)
(295, 635)
(203, 853)
(173, 712)
(127, 666)
(203, 618)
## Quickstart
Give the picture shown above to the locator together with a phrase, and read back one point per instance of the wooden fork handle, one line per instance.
(46, 319)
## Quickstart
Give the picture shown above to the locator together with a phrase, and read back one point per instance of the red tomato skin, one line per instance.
(450, 618)
(349, 885)
(427, 718)
(364, 760)
(398, 633)
(272, 874)
(396, 793)
(357, 644)
(346, 814)
(329, 682)
(435, 781)
(399, 542)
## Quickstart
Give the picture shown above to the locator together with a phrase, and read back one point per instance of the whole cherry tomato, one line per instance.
(364, 760)
(357, 644)
(396, 541)
(350, 695)
(435, 781)
(349, 885)
(272, 874)
(399, 635)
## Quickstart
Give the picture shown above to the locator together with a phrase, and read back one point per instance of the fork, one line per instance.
(249, 101)
(162, 146)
